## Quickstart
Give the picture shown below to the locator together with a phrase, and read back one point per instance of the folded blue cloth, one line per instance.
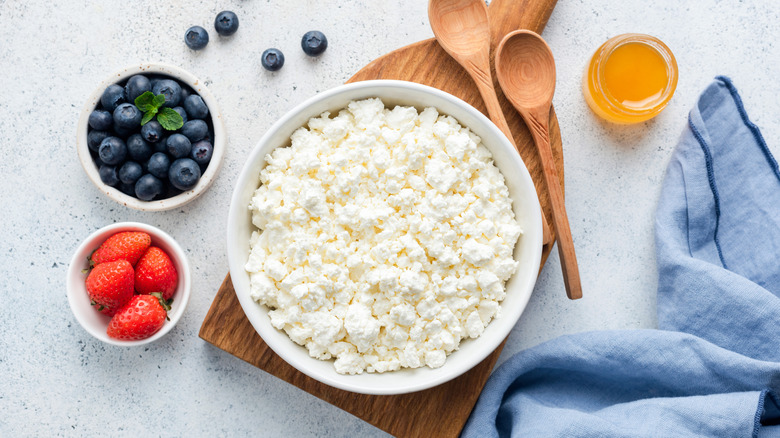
(711, 369)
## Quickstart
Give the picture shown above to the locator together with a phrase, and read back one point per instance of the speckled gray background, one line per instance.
(57, 380)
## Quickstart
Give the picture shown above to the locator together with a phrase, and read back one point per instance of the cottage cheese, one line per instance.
(384, 237)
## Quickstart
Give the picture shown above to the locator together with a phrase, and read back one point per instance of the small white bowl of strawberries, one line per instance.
(128, 283)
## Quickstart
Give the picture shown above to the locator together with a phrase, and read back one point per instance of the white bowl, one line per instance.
(96, 323)
(519, 287)
(220, 138)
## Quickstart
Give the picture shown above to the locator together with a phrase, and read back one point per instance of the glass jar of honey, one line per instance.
(630, 78)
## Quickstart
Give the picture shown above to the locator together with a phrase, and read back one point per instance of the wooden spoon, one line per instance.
(526, 71)
(462, 29)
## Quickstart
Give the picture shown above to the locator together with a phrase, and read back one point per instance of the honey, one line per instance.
(630, 78)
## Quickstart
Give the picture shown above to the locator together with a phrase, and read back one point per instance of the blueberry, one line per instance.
(112, 97)
(100, 120)
(314, 43)
(124, 132)
(147, 187)
(130, 172)
(127, 115)
(158, 165)
(94, 138)
(152, 131)
(178, 146)
(108, 175)
(181, 111)
(138, 149)
(195, 130)
(136, 86)
(112, 151)
(171, 89)
(153, 81)
(196, 38)
(226, 23)
(272, 59)
(195, 107)
(184, 173)
(201, 152)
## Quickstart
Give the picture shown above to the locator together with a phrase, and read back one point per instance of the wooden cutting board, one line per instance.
(443, 410)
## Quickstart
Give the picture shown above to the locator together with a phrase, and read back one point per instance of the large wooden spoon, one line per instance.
(526, 71)
(462, 29)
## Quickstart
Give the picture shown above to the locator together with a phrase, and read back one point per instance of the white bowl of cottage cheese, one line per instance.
(384, 237)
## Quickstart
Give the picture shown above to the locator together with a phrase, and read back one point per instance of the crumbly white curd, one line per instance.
(384, 237)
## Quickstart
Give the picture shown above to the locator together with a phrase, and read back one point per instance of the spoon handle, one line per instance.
(538, 124)
(488, 93)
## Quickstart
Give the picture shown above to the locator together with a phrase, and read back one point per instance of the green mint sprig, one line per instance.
(152, 105)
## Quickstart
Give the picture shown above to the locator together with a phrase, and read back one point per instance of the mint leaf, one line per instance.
(170, 119)
(159, 100)
(148, 116)
(145, 102)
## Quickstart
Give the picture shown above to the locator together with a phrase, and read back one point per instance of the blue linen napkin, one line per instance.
(712, 368)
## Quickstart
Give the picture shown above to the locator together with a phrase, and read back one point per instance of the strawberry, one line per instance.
(127, 245)
(155, 272)
(140, 318)
(110, 285)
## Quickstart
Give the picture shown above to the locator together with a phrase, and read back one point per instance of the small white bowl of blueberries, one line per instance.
(151, 137)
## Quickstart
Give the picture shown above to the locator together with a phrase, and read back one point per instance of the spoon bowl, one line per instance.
(461, 27)
(526, 70)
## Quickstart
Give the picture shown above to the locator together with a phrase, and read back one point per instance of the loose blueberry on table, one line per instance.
(226, 23)
(196, 38)
(272, 59)
(314, 43)
(151, 137)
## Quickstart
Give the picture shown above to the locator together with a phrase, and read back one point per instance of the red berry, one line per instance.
(110, 285)
(140, 318)
(127, 245)
(155, 273)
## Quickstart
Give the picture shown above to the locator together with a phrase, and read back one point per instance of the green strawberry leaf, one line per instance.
(148, 116)
(166, 304)
(145, 102)
(170, 119)
(159, 100)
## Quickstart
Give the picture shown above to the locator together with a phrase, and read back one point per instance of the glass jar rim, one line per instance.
(609, 47)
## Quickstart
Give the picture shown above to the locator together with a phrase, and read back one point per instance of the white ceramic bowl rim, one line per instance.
(96, 323)
(460, 361)
(220, 138)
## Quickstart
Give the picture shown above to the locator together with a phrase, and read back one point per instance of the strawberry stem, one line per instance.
(166, 304)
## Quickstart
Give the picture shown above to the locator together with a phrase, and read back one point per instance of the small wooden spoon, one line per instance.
(526, 71)
(462, 29)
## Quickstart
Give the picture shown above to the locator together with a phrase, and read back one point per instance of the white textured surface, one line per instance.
(57, 380)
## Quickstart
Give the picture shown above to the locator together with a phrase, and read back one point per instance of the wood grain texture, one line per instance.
(443, 410)
(525, 69)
